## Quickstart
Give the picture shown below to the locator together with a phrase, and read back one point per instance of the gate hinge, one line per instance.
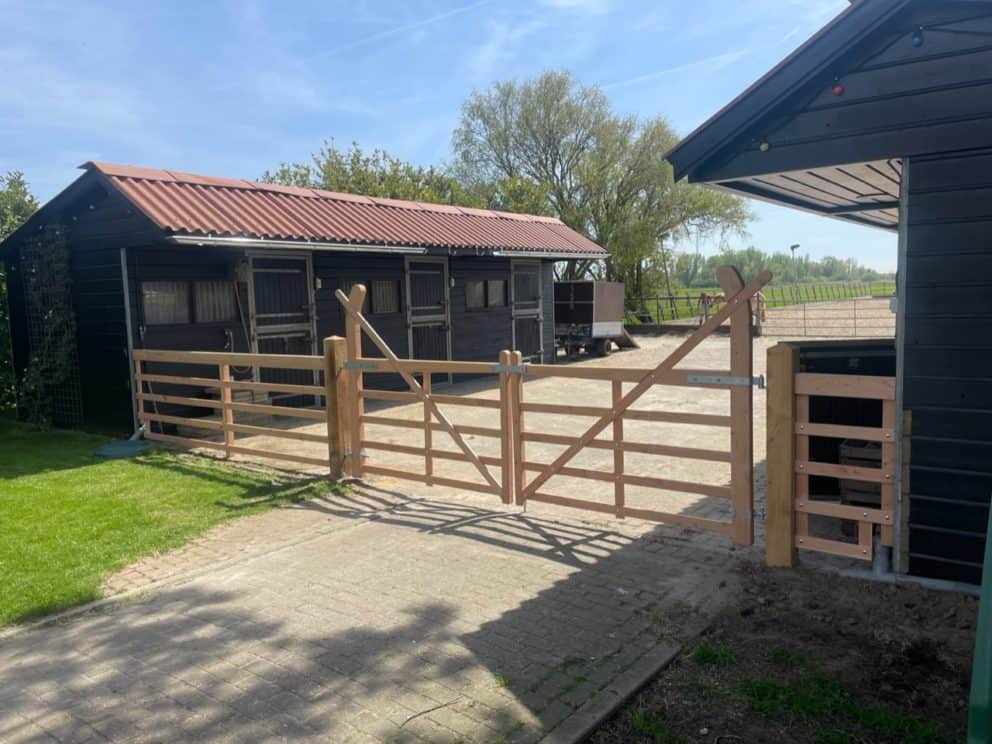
(518, 368)
(758, 382)
(361, 364)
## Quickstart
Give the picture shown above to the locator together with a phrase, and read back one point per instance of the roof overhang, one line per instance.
(309, 245)
(862, 193)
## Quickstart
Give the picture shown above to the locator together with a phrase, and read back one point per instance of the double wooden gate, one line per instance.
(510, 473)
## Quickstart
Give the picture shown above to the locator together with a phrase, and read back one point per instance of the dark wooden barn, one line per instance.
(884, 118)
(167, 260)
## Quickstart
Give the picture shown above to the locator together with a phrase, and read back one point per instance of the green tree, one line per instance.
(16, 205)
(374, 173)
(602, 174)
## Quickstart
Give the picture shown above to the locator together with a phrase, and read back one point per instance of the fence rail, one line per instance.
(689, 304)
(515, 474)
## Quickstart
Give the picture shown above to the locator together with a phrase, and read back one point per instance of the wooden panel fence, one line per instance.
(510, 470)
(790, 502)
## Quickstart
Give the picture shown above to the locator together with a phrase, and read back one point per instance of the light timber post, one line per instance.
(335, 402)
(741, 408)
(428, 431)
(618, 486)
(507, 412)
(517, 382)
(356, 405)
(139, 389)
(226, 398)
(780, 479)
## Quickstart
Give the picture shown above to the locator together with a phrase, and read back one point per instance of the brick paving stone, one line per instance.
(353, 617)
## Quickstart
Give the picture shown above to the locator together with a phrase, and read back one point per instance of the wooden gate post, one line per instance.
(780, 479)
(519, 476)
(335, 402)
(227, 413)
(356, 404)
(741, 410)
(507, 418)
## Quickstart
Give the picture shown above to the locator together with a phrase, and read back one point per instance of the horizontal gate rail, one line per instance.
(154, 420)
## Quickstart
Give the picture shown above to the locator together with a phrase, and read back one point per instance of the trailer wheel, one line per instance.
(604, 347)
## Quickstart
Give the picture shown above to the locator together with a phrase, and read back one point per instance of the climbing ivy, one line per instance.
(51, 367)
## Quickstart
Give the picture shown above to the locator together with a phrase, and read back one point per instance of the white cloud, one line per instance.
(711, 64)
(499, 46)
(597, 7)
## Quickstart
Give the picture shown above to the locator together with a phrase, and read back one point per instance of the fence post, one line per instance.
(425, 383)
(780, 480)
(336, 403)
(227, 413)
(507, 416)
(741, 412)
(517, 383)
(619, 495)
(356, 404)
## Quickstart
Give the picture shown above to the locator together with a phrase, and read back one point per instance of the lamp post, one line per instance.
(793, 248)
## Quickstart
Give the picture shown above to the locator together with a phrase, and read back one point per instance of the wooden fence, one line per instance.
(203, 381)
(790, 429)
(513, 475)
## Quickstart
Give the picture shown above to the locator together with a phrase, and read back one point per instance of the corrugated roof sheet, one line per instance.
(188, 204)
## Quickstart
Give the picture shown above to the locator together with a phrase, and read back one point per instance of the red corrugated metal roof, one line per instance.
(187, 204)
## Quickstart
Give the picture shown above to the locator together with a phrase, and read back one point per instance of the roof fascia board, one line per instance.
(251, 243)
(848, 29)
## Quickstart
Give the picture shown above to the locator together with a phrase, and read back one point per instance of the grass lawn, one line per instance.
(69, 519)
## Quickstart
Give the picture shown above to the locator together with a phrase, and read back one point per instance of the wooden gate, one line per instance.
(506, 474)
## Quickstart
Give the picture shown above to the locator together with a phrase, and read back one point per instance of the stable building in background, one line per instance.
(168, 260)
(884, 118)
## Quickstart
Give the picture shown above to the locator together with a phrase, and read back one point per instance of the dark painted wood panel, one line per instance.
(955, 515)
(918, 73)
(888, 114)
(948, 365)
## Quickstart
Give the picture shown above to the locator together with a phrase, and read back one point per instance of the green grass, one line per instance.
(713, 654)
(655, 728)
(820, 698)
(684, 304)
(70, 519)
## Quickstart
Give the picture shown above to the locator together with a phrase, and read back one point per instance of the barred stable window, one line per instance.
(215, 302)
(385, 296)
(165, 303)
(475, 294)
(526, 284)
(496, 293)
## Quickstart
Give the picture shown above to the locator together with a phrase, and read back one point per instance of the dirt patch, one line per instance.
(813, 657)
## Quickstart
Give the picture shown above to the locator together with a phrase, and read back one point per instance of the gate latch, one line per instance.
(758, 382)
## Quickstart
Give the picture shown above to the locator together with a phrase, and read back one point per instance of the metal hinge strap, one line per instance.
(758, 382)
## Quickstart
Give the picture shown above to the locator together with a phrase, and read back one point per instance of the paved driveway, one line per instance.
(381, 615)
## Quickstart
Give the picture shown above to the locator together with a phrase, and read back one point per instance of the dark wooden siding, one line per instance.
(548, 293)
(479, 334)
(897, 100)
(948, 363)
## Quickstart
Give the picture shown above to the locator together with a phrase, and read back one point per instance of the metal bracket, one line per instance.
(758, 382)
(518, 368)
(361, 364)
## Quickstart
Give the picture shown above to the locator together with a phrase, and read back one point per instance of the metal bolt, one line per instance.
(802, 466)
(864, 514)
(888, 477)
(802, 427)
(864, 551)
(800, 541)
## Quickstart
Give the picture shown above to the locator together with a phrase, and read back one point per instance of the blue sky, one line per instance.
(233, 88)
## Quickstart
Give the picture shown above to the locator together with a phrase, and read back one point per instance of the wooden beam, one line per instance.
(213, 358)
(356, 405)
(846, 386)
(783, 361)
(335, 354)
